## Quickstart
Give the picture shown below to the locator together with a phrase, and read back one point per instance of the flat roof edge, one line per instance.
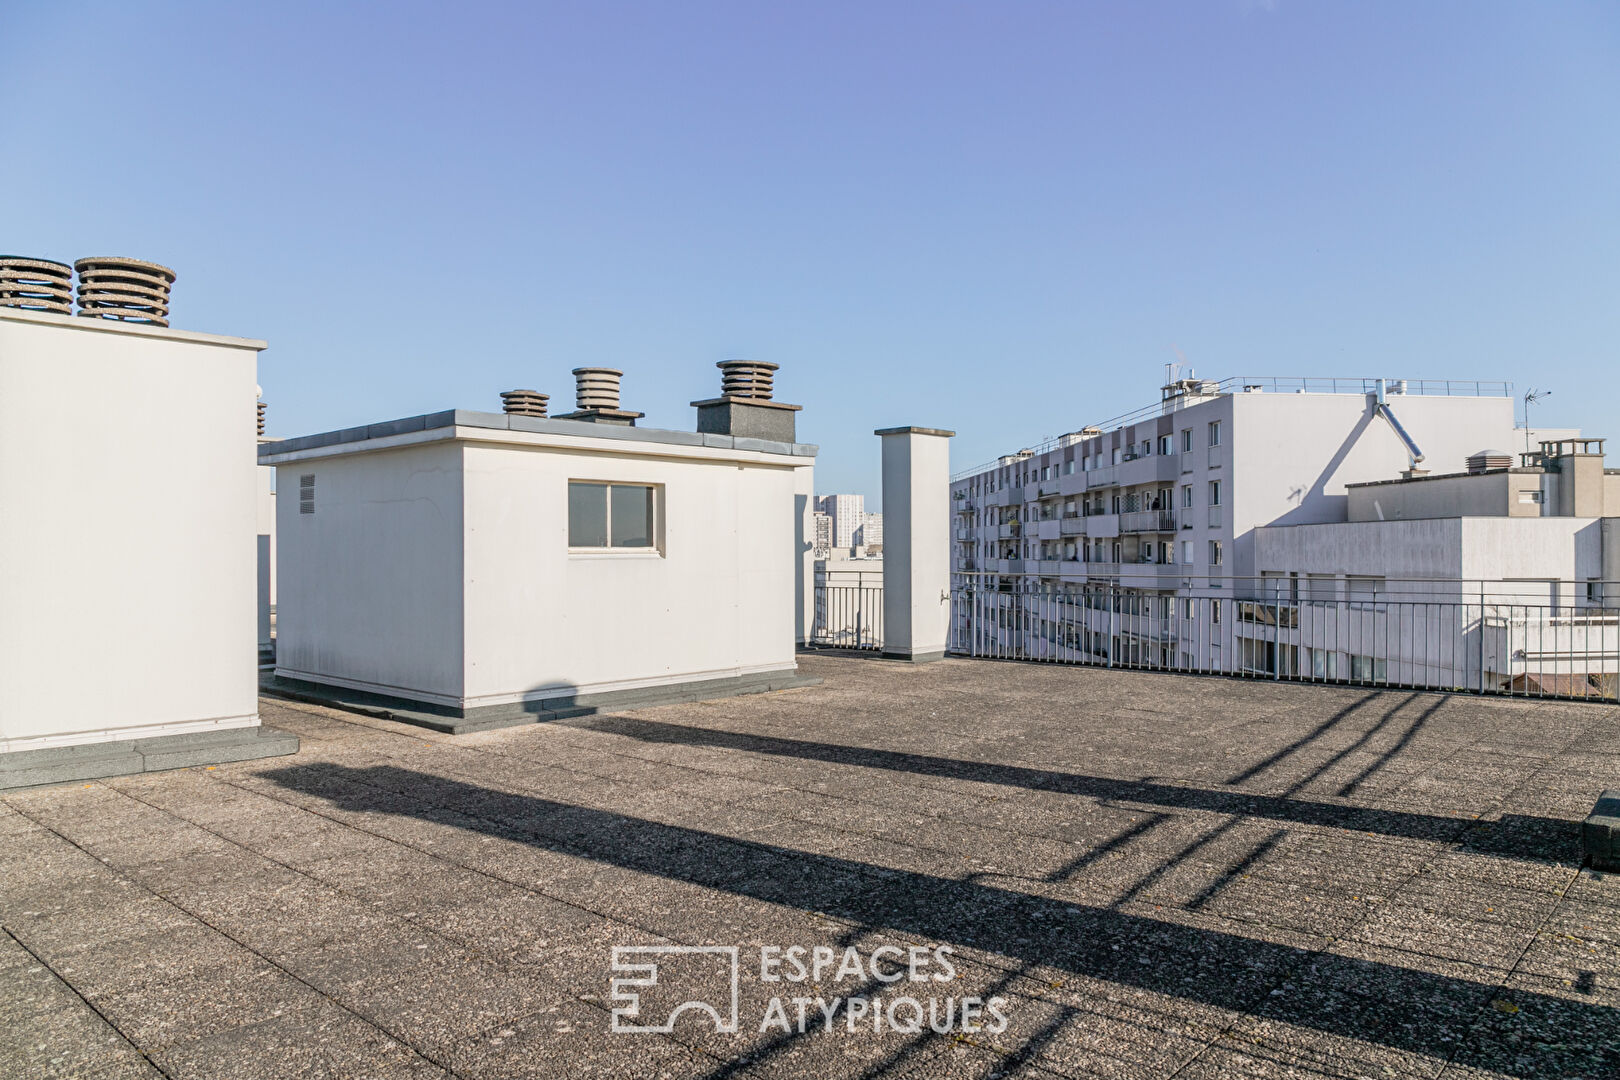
(113, 326)
(463, 418)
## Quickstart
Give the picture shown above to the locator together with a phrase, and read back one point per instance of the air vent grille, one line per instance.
(306, 493)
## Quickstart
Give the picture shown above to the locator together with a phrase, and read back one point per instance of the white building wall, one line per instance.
(127, 555)
(1293, 454)
(265, 513)
(369, 588)
(719, 601)
(1430, 548)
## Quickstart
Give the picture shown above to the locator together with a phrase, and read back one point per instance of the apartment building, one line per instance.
(870, 535)
(848, 514)
(1162, 505)
(823, 533)
(1168, 498)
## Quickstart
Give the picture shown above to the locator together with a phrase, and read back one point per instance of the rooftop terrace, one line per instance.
(1164, 875)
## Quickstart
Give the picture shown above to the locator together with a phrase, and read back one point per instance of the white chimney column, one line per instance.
(916, 542)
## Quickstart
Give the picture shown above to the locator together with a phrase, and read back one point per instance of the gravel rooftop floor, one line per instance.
(1161, 875)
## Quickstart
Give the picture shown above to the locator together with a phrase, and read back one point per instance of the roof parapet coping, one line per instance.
(584, 429)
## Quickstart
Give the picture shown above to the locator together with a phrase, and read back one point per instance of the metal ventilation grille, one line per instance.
(306, 493)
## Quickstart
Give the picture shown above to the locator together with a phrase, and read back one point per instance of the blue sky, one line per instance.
(997, 218)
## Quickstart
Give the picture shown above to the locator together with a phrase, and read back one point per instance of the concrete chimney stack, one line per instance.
(744, 408)
(596, 398)
(524, 402)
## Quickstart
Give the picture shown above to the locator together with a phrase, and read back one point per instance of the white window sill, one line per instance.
(615, 553)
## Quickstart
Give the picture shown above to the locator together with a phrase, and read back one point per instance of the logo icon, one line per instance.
(682, 976)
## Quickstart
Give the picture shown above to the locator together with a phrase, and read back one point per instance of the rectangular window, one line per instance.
(1214, 433)
(1187, 552)
(1214, 553)
(1363, 589)
(606, 516)
(1367, 669)
(1214, 493)
(1186, 440)
(1167, 444)
(1186, 494)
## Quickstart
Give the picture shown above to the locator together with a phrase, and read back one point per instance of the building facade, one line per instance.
(1167, 499)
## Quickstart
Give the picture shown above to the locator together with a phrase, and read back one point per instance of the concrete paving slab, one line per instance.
(1191, 876)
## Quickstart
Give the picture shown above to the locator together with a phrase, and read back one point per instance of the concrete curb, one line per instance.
(452, 721)
(126, 757)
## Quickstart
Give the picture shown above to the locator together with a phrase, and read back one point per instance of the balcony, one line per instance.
(1149, 468)
(964, 534)
(1074, 525)
(1009, 529)
(1147, 521)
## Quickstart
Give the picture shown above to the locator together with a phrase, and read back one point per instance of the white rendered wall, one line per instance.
(917, 556)
(719, 600)
(265, 513)
(127, 554)
(369, 585)
(1291, 455)
(804, 487)
(1497, 550)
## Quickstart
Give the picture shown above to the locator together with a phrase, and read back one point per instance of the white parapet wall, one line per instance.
(128, 574)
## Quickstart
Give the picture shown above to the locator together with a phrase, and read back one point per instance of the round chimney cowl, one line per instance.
(36, 284)
(129, 290)
(596, 389)
(524, 402)
(748, 379)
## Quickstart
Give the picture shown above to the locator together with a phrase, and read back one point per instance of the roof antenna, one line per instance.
(1532, 396)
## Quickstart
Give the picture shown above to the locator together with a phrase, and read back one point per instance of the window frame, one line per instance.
(655, 549)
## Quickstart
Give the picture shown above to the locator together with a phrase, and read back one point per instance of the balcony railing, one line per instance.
(847, 616)
(1147, 521)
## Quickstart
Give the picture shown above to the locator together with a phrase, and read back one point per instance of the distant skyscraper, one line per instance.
(823, 534)
(870, 534)
(848, 513)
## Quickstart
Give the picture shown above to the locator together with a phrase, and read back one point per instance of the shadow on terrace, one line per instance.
(1376, 1003)
(1516, 836)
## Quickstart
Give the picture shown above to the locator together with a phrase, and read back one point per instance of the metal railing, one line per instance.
(848, 615)
(1487, 647)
